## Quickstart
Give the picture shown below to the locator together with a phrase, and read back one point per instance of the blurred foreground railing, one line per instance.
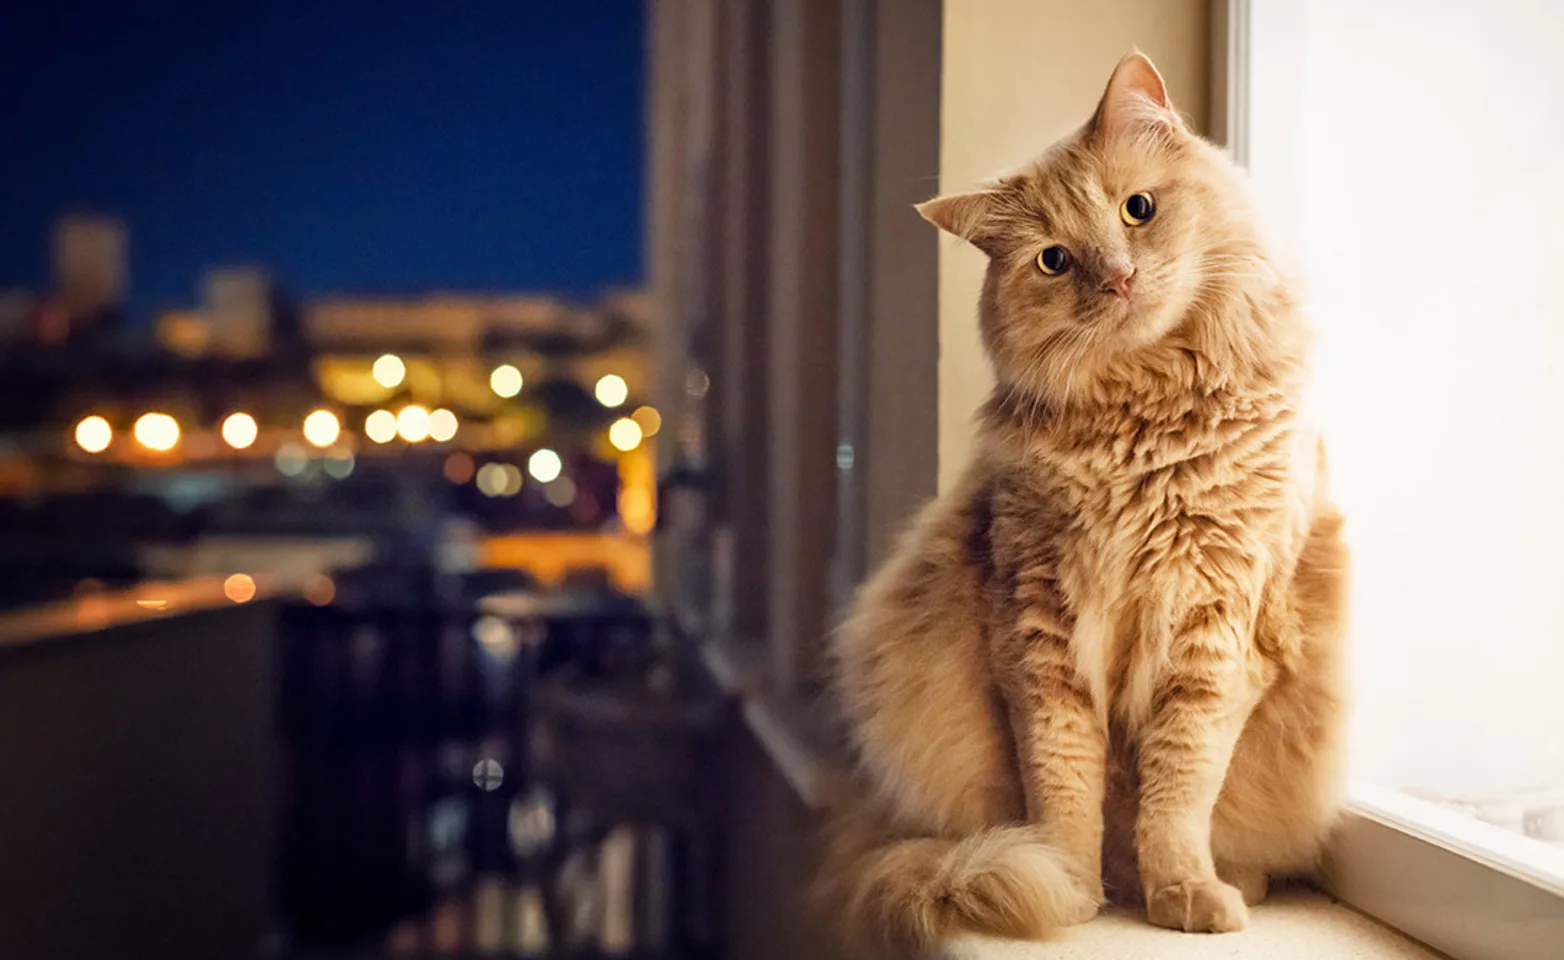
(477, 770)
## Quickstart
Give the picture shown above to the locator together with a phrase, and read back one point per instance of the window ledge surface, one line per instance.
(1294, 924)
(788, 729)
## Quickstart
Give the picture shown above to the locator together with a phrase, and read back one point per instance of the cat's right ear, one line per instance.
(965, 215)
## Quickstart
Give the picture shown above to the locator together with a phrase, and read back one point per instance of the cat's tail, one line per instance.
(906, 895)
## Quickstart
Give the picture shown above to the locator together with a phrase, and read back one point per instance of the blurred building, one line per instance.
(237, 303)
(16, 310)
(438, 322)
(91, 270)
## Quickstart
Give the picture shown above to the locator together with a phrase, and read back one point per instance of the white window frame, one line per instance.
(1468, 889)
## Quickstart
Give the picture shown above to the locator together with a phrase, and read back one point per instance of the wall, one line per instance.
(1017, 75)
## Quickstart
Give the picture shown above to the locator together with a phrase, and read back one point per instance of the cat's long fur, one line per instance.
(1112, 652)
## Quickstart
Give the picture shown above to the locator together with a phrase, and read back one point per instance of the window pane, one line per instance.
(1432, 238)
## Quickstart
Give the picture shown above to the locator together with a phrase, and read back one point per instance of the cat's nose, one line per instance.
(1118, 280)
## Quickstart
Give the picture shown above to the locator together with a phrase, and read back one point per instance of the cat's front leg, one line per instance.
(1202, 696)
(1062, 747)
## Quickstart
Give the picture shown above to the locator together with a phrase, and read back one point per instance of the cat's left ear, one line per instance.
(965, 215)
(1136, 100)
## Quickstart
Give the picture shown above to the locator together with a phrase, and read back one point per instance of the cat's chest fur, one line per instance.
(1153, 516)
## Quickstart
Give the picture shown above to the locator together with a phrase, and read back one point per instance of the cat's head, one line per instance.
(1108, 243)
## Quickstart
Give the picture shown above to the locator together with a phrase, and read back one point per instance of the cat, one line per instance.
(1108, 659)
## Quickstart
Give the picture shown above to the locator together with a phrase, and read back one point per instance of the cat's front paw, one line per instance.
(1197, 906)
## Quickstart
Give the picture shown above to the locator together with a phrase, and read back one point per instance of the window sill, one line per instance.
(1292, 925)
(1466, 888)
(1297, 923)
(788, 730)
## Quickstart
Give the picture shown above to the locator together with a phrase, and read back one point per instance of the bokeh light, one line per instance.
(625, 434)
(544, 465)
(442, 425)
(648, 419)
(490, 479)
(499, 480)
(94, 434)
(505, 381)
(240, 430)
(488, 775)
(458, 467)
(495, 636)
(240, 588)
(389, 370)
(292, 460)
(561, 492)
(636, 510)
(320, 590)
(611, 390)
(339, 464)
(380, 426)
(322, 428)
(412, 423)
(157, 431)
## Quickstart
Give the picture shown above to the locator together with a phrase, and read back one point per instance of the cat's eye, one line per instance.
(1053, 260)
(1137, 208)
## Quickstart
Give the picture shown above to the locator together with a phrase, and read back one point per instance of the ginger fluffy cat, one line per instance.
(1108, 660)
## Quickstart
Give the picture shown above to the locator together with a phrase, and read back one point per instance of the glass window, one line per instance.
(1424, 203)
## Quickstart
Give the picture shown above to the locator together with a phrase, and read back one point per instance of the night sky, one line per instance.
(348, 145)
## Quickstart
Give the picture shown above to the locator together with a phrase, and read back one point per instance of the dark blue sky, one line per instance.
(370, 145)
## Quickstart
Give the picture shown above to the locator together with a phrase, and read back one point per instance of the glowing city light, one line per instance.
(458, 467)
(339, 464)
(240, 588)
(636, 510)
(413, 423)
(544, 465)
(490, 479)
(442, 425)
(94, 434)
(156, 431)
(321, 428)
(611, 390)
(488, 775)
(291, 460)
(499, 480)
(389, 370)
(319, 590)
(240, 430)
(625, 434)
(561, 492)
(505, 381)
(380, 426)
(648, 419)
(496, 637)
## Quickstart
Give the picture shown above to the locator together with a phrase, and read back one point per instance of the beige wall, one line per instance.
(1018, 74)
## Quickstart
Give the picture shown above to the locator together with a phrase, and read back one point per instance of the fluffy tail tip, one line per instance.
(909, 896)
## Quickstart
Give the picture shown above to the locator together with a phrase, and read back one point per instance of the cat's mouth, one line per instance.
(1126, 312)
(1137, 319)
